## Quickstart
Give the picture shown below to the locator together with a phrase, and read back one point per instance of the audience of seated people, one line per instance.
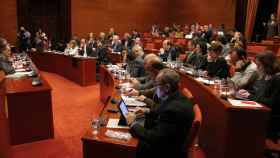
(218, 53)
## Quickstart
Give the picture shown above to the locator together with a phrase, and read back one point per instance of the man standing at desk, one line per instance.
(166, 127)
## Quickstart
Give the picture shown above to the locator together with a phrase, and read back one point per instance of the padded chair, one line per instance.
(188, 94)
(192, 141)
(254, 50)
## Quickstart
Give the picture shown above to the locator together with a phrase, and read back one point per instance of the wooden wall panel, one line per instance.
(99, 15)
(8, 18)
(204, 11)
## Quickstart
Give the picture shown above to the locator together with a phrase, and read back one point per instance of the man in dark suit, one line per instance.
(5, 63)
(166, 128)
(116, 44)
(135, 64)
(169, 52)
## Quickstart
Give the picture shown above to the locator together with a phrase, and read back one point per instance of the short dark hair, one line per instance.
(216, 47)
(171, 77)
(269, 62)
(241, 53)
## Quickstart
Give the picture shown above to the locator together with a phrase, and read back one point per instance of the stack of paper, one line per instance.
(132, 101)
(206, 81)
(114, 123)
(242, 103)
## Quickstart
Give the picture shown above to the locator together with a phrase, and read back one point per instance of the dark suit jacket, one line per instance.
(6, 65)
(136, 67)
(267, 92)
(166, 129)
(218, 68)
(117, 47)
(174, 54)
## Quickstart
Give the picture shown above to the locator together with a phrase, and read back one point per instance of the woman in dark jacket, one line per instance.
(266, 90)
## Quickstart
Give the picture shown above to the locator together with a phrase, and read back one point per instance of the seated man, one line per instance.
(166, 127)
(5, 52)
(168, 52)
(245, 70)
(135, 63)
(147, 81)
(84, 49)
(214, 65)
(116, 45)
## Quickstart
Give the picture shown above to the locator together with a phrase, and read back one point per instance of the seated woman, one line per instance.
(72, 48)
(266, 90)
(5, 53)
(245, 70)
(215, 65)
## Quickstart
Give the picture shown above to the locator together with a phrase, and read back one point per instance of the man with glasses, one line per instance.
(167, 126)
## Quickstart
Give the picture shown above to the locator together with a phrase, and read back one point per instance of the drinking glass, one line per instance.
(95, 126)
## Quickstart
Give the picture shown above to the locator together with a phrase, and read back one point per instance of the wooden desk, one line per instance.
(29, 110)
(5, 148)
(102, 146)
(227, 131)
(79, 70)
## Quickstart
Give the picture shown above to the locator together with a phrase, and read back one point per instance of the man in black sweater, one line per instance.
(213, 64)
(166, 127)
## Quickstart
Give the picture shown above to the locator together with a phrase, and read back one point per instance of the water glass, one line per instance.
(95, 124)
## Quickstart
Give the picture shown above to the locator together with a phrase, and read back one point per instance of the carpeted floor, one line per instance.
(73, 108)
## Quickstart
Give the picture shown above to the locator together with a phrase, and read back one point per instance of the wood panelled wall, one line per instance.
(100, 15)
(8, 18)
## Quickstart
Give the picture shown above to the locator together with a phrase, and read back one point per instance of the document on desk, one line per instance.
(132, 101)
(206, 81)
(243, 103)
(19, 74)
(114, 123)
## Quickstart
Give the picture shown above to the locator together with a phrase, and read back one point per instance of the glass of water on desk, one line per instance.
(95, 124)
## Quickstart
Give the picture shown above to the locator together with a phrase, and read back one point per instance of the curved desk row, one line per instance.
(80, 70)
(227, 131)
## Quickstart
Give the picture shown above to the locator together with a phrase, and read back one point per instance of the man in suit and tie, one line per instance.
(168, 52)
(167, 127)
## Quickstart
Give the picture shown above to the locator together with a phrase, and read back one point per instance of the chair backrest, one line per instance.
(187, 93)
(194, 132)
